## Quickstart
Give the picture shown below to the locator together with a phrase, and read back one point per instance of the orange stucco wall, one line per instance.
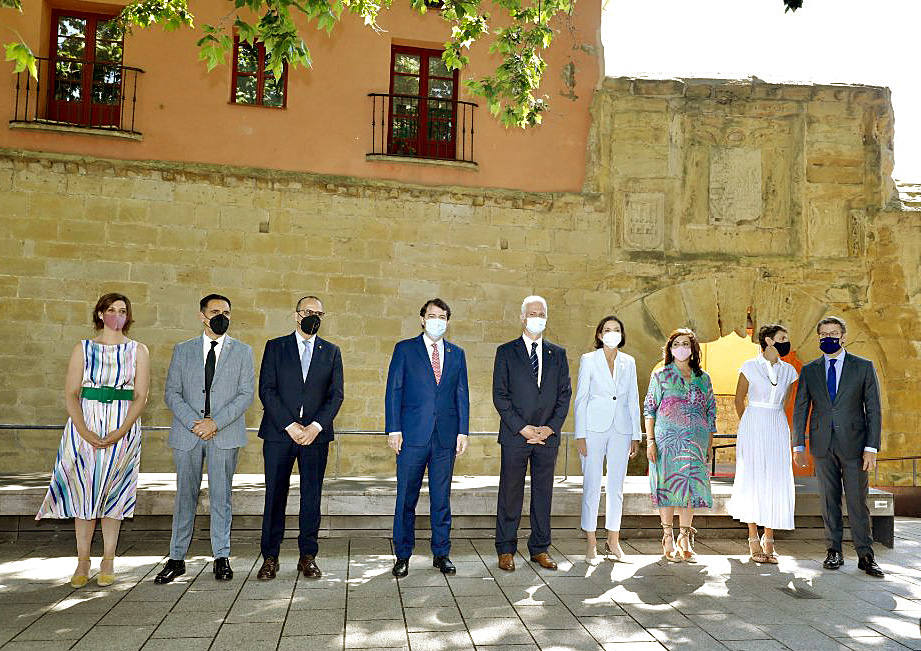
(184, 113)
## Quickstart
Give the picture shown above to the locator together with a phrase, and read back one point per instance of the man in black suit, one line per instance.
(838, 395)
(530, 390)
(300, 386)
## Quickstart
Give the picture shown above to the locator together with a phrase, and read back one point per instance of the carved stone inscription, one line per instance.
(644, 220)
(735, 185)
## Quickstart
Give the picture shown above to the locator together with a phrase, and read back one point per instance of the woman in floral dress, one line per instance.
(680, 412)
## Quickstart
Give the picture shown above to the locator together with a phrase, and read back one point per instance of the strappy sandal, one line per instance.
(80, 580)
(105, 580)
(757, 556)
(687, 534)
(611, 554)
(668, 533)
(772, 557)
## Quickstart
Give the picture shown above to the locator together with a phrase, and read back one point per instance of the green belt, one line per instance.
(106, 394)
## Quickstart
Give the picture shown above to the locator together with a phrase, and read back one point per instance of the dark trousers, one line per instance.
(411, 464)
(514, 466)
(279, 462)
(834, 472)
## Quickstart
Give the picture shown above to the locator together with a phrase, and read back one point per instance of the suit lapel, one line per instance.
(291, 351)
(821, 378)
(319, 351)
(446, 363)
(196, 361)
(222, 360)
(846, 364)
(547, 359)
(601, 364)
(426, 360)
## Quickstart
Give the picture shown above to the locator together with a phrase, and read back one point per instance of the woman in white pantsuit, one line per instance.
(607, 411)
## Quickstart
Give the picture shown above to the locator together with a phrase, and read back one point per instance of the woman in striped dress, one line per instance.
(96, 471)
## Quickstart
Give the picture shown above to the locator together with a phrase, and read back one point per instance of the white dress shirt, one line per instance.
(206, 346)
(302, 343)
(540, 354)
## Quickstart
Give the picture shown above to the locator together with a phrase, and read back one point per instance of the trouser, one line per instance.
(411, 464)
(615, 447)
(834, 472)
(221, 465)
(279, 457)
(514, 466)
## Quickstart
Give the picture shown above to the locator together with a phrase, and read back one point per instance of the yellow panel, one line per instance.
(723, 358)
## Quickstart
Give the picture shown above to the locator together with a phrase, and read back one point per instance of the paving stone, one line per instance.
(565, 640)
(257, 610)
(39, 645)
(754, 645)
(684, 638)
(303, 622)
(657, 615)
(469, 587)
(189, 624)
(318, 600)
(441, 641)
(615, 629)
(582, 606)
(210, 601)
(801, 637)
(379, 634)
(141, 613)
(373, 607)
(311, 643)
(493, 632)
(184, 643)
(59, 626)
(728, 627)
(547, 617)
(114, 638)
(535, 595)
(433, 596)
(429, 619)
(485, 606)
(876, 643)
(277, 589)
(252, 637)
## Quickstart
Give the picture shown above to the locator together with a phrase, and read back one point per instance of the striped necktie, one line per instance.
(535, 366)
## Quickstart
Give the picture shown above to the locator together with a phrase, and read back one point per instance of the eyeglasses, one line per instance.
(306, 313)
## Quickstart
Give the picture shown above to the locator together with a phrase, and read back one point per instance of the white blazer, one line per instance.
(600, 402)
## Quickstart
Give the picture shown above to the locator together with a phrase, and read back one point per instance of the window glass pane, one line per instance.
(70, 48)
(440, 130)
(437, 67)
(107, 93)
(441, 88)
(68, 70)
(247, 57)
(407, 63)
(246, 90)
(440, 110)
(67, 92)
(405, 127)
(71, 26)
(403, 85)
(109, 51)
(403, 148)
(274, 91)
(108, 31)
(405, 105)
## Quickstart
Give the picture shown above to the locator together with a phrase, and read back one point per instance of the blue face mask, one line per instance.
(830, 345)
(434, 328)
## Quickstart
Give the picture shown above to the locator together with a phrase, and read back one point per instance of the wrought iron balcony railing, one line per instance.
(422, 127)
(79, 94)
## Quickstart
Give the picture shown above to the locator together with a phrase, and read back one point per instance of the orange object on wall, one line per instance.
(809, 470)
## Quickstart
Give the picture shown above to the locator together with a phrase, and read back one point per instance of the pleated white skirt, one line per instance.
(763, 491)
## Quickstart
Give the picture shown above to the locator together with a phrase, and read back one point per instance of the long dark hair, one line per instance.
(694, 360)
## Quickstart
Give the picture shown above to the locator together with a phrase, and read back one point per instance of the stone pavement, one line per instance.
(722, 602)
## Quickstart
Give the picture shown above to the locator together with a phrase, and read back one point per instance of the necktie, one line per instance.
(832, 380)
(436, 363)
(535, 367)
(305, 358)
(209, 377)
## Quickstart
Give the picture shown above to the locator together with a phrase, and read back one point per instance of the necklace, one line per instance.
(770, 368)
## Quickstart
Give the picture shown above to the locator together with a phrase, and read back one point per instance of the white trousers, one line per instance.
(615, 447)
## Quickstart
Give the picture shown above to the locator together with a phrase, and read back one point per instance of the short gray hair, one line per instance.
(533, 299)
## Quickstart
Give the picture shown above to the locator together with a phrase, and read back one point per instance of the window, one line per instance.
(252, 83)
(86, 70)
(423, 105)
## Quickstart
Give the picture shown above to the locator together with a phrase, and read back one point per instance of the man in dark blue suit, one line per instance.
(530, 390)
(300, 386)
(427, 411)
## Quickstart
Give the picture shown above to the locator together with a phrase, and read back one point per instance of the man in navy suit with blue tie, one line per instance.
(427, 412)
(300, 385)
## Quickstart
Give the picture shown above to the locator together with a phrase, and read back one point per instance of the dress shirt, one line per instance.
(440, 344)
(301, 345)
(540, 354)
(206, 346)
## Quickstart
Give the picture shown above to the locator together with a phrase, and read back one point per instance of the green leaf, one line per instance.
(23, 58)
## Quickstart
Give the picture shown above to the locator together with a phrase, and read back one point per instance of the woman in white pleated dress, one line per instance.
(763, 491)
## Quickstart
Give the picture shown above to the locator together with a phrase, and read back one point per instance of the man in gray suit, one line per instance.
(838, 395)
(209, 386)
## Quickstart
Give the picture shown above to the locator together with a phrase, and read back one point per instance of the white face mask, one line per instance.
(535, 324)
(434, 328)
(611, 339)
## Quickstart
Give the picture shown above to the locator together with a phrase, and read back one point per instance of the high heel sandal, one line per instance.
(105, 580)
(772, 557)
(757, 556)
(80, 580)
(611, 554)
(669, 534)
(687, 534)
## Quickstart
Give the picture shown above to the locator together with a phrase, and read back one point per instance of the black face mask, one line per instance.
(310, 324)
(782, 347)
(219, 324)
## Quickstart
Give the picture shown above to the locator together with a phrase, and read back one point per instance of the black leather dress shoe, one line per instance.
(833, 560)
(868, 564)
(222, 571)
(444, 564)
(401, 568)
(170, 571)
(308, 565)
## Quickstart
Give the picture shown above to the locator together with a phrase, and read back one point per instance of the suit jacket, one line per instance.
(520, 401)
(418, 407)
(284, 392)
(232, 390)
(854, 415)
(600, 402)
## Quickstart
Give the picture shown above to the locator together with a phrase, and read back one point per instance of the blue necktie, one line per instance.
(535, 368)
(832, 380)
(305, 358)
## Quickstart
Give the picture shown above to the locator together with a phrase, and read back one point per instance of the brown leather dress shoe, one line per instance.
(543, 559)
(507, 562)
(269, 569)
(308, 566)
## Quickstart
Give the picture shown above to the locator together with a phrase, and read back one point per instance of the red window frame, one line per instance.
(426, 116)
(84, 111)
(260, 74)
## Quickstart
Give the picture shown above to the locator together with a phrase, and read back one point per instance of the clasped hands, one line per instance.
(536, 435)
(303, 434)
(99, 442)
(205, 429)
